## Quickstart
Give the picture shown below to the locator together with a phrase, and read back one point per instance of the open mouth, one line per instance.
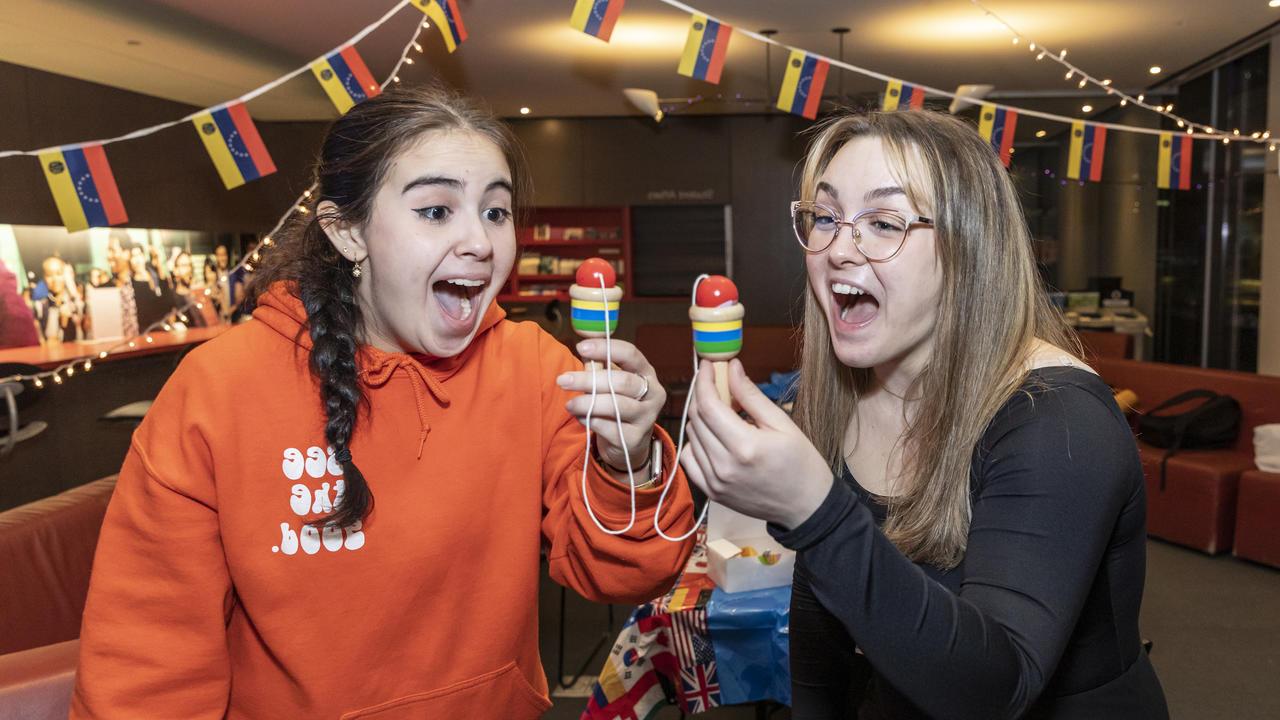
(854, 307)
(459, 298)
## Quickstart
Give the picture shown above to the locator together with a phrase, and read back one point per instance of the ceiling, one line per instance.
(523, 53)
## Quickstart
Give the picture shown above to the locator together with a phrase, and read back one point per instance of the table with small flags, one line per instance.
(697, 647)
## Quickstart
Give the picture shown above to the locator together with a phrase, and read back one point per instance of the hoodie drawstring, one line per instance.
(421, 380)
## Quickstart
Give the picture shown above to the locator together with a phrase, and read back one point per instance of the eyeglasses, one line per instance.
(879, 234)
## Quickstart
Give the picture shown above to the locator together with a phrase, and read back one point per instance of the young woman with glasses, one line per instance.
(962, 490)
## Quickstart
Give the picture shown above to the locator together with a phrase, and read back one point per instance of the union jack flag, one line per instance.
(699, 692)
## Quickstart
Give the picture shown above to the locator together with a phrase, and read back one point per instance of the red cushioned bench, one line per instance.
(1198, 504)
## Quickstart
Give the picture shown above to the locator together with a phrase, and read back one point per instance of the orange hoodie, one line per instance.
(211, 599)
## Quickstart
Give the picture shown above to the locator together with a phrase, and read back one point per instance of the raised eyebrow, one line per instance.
(500, 185)
(884, 192)
(826, 187)
(453, 183)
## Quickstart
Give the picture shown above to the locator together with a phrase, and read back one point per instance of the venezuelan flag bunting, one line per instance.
(898, 94)
(444, 13)
(1088, 145)
(704, 50)
(83, 187)
(234, 145)
(801, 91)
(345, 78)
(596, 17)
(997, 126)
(1175, 162)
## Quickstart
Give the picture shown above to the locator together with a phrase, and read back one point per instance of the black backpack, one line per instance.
(1214, 423)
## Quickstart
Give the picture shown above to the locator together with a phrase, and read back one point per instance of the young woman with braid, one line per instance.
(354, 530)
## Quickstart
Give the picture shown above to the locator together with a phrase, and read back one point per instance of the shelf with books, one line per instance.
(555, 243)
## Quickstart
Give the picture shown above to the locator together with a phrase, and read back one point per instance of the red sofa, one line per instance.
(1258, 518)
(48, 548)
(1197, 506)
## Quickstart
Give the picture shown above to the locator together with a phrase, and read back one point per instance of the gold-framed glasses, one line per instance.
(879, 233)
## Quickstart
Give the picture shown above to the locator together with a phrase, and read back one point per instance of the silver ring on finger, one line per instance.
(644, 389)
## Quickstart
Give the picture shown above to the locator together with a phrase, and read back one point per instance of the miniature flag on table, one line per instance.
(83, 187)
(345, 78)
(233, 143)
(997, 126)
(801, 91)
(704, 50)
(444, 13)
(1088, 144)
(596, 17)
(1175, 162)
(898, 94)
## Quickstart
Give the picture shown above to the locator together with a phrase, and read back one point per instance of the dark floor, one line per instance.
(1215, 622)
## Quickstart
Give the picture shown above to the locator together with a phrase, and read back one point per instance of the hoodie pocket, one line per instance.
(502, 693)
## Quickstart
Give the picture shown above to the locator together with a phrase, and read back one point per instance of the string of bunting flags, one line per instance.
(85, 192)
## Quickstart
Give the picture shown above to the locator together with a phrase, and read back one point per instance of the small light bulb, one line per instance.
(1236, 132)
(408, 61)
(1070, 74)
(268, 241)
(1256, 135)
(426, 25)
(102, 355)
(248, 267)
(1015, 40)
(1041, 133)
(39, 383)
(1040, 56)
(1106, 83)
(88, 365)
(256, 256)
(1062, 55)
(168, 327)
(150, 339)
(1086, 108)
(1083, 83)
(1226, 141)
(57, 379)
(1156, 70)
(1266, 135)
(1032, 48)
(303, 210)
(1181, 124)
(1169, 107)
(1142, 98)
(1124, 102)
(396, 79)
(1273, 147)
(208, 291)
(184, 318)
(524, 111)
(199, 306)
(417, 46)
(132, 344)
(71, 370)
(306, 194)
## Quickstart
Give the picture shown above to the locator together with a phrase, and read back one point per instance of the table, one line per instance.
(697, 647)
(1128, 322)
(52, 355)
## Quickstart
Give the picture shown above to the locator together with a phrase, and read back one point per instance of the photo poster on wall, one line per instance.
(106, 283)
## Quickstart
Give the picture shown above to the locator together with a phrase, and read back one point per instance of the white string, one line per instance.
(617, 414)
(1210, 132)
(684, 419)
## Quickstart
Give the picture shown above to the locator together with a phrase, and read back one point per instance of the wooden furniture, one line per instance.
(563, 237)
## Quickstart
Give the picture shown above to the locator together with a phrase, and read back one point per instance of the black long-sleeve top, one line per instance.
(1040, 620)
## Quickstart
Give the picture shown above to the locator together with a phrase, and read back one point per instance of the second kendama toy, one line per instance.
(593, 304)
(717, 327)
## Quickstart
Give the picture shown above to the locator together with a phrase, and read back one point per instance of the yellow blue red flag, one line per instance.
(83, 187)
(234, 145)
(705, 48)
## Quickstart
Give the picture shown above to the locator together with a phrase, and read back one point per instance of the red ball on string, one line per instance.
(592, 269)
(716, 291)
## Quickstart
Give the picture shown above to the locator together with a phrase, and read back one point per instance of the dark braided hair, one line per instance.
(353, 162)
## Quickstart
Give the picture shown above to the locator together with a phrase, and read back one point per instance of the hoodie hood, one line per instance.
(281, 310)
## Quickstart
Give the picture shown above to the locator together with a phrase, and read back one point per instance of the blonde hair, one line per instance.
(992, 309)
